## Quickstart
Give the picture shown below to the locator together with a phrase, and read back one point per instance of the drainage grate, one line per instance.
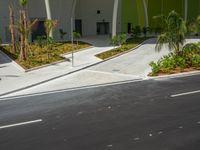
(116, 70)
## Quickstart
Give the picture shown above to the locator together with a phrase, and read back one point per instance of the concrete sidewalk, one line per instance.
(136, 62)
(128, 67)
(12, 78)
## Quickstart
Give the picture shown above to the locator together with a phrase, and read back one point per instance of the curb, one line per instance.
(184, 74)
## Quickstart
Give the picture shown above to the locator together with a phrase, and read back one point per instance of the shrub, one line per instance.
(145, 31)
(62, 34)
(40, 41)
(155, 68)
(50, 43)
(189, 57)
(180, 62)
(195, 61)
(137, 31)
(118, 39)
(167, 63)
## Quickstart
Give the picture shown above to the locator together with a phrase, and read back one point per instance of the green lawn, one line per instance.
(39, 56)
(131, 43)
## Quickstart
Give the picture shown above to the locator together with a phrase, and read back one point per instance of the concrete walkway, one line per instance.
(129, 67)
(12, 78)
(135, 62)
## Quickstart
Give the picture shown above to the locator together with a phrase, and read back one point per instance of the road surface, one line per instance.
(162, 114)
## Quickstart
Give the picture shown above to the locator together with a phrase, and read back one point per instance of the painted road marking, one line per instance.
(20, 124)
(184, 94)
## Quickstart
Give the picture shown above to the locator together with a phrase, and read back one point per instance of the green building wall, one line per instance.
(163, 7)
(133, 11)
(193, 9)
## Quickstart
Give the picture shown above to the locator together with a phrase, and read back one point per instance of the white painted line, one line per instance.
(20, 124)
(184, 94)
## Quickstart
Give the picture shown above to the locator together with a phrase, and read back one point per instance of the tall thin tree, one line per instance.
(12, 28)
(23, 23)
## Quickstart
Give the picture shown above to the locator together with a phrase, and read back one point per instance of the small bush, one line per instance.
(118, 40)
(41, 41)
(195, 61)
(155, 68)
(137, 31)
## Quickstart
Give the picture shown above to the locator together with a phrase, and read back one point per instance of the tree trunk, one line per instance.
(12, 29)
(22, 38)
(26, 33)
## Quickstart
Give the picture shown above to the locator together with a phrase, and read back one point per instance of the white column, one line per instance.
(146, 13)
(186, 9)
(114, 21)
(72, 19)
(48, 11)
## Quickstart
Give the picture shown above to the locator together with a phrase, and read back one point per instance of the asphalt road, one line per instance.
(147, 115)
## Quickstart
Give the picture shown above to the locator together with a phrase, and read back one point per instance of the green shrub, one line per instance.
(189, 57)
(50, 43)
(155, 68)
(122, 39)
(137, 31)
(114, 40)
(118, 40)
(167, 63)
(40, 41)
(180, 62)
(62, 34)
(195, 61)
(145, 31)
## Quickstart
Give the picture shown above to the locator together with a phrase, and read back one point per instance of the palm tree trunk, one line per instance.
(12, 29)
(22, 52)
(178, 49)
(26, 34)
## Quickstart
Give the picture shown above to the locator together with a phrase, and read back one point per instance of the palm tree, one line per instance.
(77, 36)
(23, 27)
(49, 26)
(12, 28)
(173, 32)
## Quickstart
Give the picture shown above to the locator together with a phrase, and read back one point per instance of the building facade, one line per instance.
(95, 17)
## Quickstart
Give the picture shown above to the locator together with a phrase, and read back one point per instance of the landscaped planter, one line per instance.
(42, 56)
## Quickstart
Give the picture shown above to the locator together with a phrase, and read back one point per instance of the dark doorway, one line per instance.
(102, 28)
(78, 26)
(129, 27)
(39, 30)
